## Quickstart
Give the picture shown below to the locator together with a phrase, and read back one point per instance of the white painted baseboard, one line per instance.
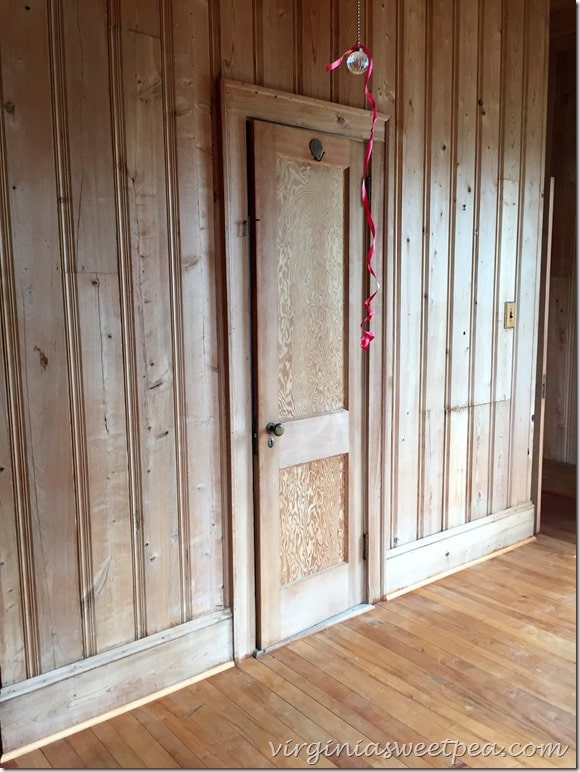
(51, 703)
(416, 563)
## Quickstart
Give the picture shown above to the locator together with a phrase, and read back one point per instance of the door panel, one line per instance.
(313, 517)
(307, 252)
(310, 207)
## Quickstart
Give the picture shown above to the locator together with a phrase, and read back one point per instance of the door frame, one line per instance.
(542, 353)
(239, 103)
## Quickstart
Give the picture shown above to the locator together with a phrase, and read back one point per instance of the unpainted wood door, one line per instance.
(308, 256)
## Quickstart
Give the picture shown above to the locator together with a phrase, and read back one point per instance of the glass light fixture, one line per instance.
(357, 62)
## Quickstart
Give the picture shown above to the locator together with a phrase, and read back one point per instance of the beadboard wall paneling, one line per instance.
(114, 426)
(40, 327)
(560, 440)
(536, 22)
(94, 277)
(112, 474)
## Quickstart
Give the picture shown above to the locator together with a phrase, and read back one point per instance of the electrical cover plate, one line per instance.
(509, 318)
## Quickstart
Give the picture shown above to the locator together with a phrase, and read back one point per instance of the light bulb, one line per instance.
(357, 62)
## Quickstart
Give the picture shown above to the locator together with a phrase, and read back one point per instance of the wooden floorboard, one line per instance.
(559, 478)
(484, 656)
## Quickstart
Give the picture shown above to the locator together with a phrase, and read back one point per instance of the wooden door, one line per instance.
(308, 258)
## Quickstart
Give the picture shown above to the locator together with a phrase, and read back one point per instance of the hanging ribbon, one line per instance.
(366, 335)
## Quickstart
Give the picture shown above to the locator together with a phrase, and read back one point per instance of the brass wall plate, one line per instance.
(509, 316)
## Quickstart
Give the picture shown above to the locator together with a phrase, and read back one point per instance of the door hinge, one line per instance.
(544, 386)
(365, 546)
(254, 436)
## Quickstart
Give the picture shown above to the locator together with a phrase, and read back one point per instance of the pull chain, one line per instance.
(359, 61)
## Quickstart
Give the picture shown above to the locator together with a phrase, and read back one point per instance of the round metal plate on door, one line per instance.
(316, 149)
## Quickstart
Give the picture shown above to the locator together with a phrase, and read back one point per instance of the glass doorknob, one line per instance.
(277, 429)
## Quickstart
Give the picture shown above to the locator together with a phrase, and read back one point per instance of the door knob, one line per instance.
(277, 429)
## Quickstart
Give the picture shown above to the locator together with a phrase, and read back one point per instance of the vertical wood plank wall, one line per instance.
(113, 431)
(113, 516)
(560, 441)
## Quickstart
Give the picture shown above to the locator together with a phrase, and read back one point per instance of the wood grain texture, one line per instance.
(205, 422)
(72, 332)
(238, 341)
(484, 262)
(461, 320)
(237, 39)
(377, 415)
(108, 180)
(126, 296)
(176, 306)
(13, 655)
(542, 360)
(407, 456)
(42, 333)
(79, 693)
(20, 652)
(92, 194)
(527, 281)
(417, 563)
(311, 294)
(382, 32)
(313, 517)
(315, 47)
(510, 158)
(143, 92)
(278, 52)
(100, 323)
(440, 107)
(381, 361)
(89, 136)
(348, 88)
(318, 281)
(240, 102)
(560, 427)
(395, 673)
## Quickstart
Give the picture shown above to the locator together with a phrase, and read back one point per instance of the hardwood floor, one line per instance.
(558, 517)
(484, 656)
(559, 478)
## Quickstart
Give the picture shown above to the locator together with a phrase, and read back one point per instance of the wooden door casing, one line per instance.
(309, 237)
(241, 103)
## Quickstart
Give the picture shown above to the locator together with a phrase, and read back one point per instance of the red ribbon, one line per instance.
(367, 335)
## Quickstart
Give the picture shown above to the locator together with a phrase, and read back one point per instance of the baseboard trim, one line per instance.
(418, 563)
(451, 571)
(66, 700)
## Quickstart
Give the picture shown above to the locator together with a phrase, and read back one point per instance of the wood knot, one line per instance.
(43, 359)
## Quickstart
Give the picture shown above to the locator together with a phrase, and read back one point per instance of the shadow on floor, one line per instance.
(559, 516)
